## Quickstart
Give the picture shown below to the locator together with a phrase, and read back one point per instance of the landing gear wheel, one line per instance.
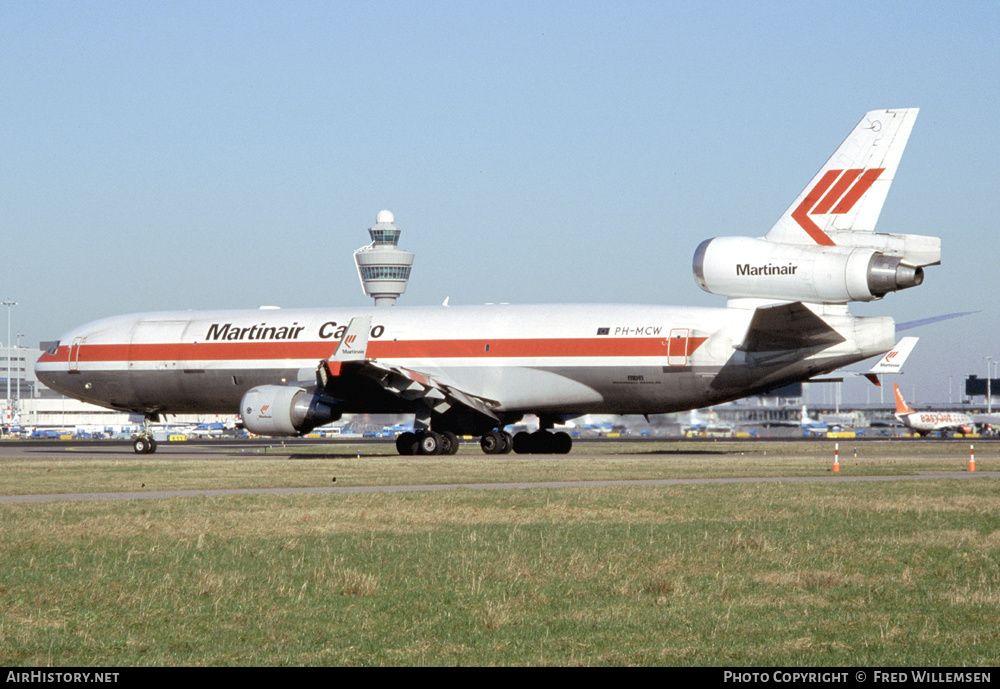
(522, 443)
(406, 443)
(561, 443)
(508, 442)
(144, 445)
(449, 443)
(496, 443)
(429, 443)
(543, 442)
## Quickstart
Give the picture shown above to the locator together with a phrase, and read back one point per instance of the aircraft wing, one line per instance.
(413, 385)
(787, 327)
(350, 357)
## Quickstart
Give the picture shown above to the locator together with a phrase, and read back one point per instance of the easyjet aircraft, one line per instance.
(924, 422)
(476, 369)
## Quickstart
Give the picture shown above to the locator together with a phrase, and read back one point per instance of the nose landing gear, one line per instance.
(143, 442)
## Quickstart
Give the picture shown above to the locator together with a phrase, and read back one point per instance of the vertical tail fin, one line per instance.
(847, 194)
(901, 406)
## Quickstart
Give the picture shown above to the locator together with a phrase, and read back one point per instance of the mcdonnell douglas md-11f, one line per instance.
(476, 369)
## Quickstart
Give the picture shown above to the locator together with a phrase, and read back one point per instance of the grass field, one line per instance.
(870, 574)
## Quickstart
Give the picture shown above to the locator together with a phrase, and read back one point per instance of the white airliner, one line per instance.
(476, 369)
(924, 422)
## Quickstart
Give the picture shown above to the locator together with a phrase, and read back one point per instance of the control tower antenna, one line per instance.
(383, 267)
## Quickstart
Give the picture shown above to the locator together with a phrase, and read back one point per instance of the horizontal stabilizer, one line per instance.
(787, 326)
(932, 319)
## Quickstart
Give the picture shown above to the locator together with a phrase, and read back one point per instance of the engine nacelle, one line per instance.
(749, 267)
(285, 410)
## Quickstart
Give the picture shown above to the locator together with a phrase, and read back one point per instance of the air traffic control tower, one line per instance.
(383, 267)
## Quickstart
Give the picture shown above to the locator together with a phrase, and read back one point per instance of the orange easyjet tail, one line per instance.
(901, 406)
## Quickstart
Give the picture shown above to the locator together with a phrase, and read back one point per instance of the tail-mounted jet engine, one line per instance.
(286, 410)
(748, 267)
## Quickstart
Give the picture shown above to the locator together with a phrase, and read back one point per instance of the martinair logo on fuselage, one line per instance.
(262, 332)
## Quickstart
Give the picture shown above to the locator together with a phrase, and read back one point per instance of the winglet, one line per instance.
(893, 361)
(353, 346)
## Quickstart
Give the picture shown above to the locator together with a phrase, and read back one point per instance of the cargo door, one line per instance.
(677, 347)
(74, 354)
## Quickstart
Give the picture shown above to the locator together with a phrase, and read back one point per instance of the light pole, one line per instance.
(989, 401)
(9, 304)
(20, 370)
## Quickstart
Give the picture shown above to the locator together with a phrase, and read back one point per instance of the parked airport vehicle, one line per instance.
(475, 369)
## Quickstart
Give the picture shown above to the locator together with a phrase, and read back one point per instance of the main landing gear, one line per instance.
(495, 442)
(427, 443)
(543, 442)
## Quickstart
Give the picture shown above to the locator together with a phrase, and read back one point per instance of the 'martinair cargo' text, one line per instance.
(265, 332)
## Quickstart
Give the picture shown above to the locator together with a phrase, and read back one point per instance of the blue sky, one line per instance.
(173, 155)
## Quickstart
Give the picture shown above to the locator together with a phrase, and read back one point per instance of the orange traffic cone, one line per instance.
(972, 458)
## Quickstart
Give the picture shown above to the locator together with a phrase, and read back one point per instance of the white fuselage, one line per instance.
(557, 359)
(931, 421)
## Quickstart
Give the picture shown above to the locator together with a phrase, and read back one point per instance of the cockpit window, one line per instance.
(53, 348)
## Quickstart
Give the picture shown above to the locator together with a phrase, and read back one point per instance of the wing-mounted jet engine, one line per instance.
(286, 410)
(299, 408)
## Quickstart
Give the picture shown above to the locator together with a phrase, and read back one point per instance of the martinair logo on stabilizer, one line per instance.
(836, 193)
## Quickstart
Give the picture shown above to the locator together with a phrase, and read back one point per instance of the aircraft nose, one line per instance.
(48, 364)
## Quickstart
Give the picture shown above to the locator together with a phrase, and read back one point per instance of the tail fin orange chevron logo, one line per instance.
(349, 340)
(836, 193)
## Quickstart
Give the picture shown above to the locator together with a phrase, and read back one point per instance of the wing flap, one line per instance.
(414, 385)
